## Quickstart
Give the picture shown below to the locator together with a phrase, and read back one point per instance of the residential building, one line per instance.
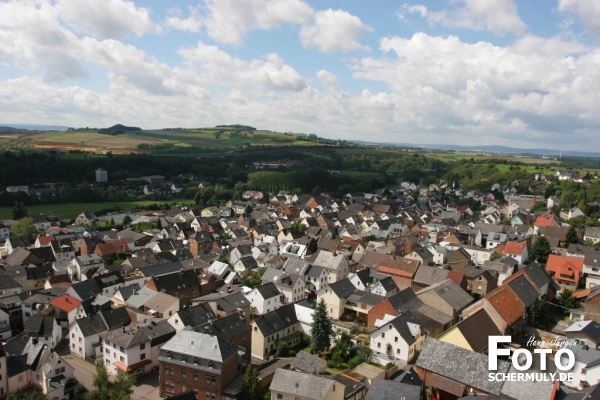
(271, 328)
(397, 339)
(264, 298)
(199, 362)
(135, 348)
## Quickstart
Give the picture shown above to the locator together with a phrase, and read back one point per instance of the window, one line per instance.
(106, 341)
(396, 339)
(210, 380)
(378, 345)
(195, 361)
(80, 340)
(108, 351)
(73, 335)
(143, 356)
(183, 374)
(195, 376)
(142, 346)
(122, 349)
(279, 396)
(122, 359)
(383, 335)
(397, 351)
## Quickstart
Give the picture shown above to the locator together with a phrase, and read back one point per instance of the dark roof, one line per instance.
(351, 387)
(39, 325)
(276, 320)
(524, 289)
(459, 365)
(91, 325)
(162, 269)
(233, 301)
(404, 300)
(268, 290)
(116, 317)
(155, 332)
(197, 315)
(342, 288)
(228, 328)
(177, 281)
(400, 323)
(477, 328)
(409, 377)
(537, 273)
(16, 365)
(384, 389)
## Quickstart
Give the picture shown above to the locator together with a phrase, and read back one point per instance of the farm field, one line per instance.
(92, 141)
(72, 210)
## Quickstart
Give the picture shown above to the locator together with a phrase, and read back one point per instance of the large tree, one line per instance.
(251, 388)
(24, 227)
(19, 210)
(571, 236)
(103, 388)
(540, 250)
(321, 330)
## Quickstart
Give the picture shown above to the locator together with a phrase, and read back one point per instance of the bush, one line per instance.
(355, 362)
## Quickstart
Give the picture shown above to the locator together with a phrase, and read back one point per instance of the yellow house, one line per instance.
(472, 333)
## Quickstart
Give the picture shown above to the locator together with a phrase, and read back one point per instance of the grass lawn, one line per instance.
(72, 210)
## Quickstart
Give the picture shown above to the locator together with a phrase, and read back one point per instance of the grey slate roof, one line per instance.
(451, 292)
(91, 325)
(537, 273)
(382, 389)
(268, 290)
(342, 288)
(300, 384)
(460, 365)
(276, 320)
(308, 362)
(201, 345)
(227, 328)
(527, 390)
(39, 325)
(233, 301)
(430, 275)
(155, 332)
(524, 289)
(197, 315)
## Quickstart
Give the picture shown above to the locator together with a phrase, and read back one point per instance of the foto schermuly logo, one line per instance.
(494, 352)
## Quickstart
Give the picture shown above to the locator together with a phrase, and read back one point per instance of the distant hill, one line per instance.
(33, 127)
(489, 149)
(119, 129)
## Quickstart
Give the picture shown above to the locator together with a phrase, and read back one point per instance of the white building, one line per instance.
(396, 340)
(264, 298)
(135, 348)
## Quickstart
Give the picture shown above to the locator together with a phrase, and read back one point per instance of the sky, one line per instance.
(467, 72)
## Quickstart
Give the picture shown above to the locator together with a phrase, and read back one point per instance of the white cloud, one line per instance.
(587, 10)
(499, 16)
(191, 23)
(218, 67)
(328, 79)
(334, 30)
(228, 21)
(108, 18)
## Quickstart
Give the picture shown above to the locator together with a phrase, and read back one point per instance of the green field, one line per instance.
(72, 210)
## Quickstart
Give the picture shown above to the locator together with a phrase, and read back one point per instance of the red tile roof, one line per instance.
(565, 268)
(65, 303)
(507, 304)
(456, 276)
(514, 247)
(545, 220)
(45, 240)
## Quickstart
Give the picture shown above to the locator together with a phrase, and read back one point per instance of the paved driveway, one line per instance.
(146, 388)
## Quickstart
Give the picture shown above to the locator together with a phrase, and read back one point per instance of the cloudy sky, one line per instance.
(515, 73)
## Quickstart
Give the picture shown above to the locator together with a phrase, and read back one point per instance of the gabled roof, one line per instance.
(65, 302)
(459, 365)
(307, 386)
(524, 289)
(115, 317)
(382, 389)
(342, 288)
(172, 282)
(201, 345)
(476, 329)
(430, 275)
(268, 290)
(229, 327)
(39, 325)
(156, 332)
(91, 325)
(233, 301)
(507, 304)
(276, 320)
(590, 329)
(514, 247)
(451, 293)
(401, 324)
(197, 315)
